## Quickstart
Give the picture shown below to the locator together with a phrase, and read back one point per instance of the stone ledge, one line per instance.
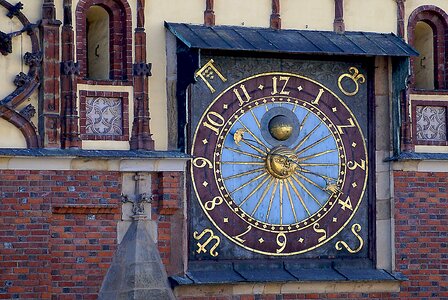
(291, 277)
(281, 288)
(93, 160)
(42, 152)
(418, 156)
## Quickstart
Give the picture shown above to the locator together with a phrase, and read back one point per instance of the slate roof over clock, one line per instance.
(290, 41)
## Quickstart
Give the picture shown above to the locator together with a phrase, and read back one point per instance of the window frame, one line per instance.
(437, 19)
(120, 37)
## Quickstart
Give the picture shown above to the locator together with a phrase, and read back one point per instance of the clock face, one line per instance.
(280, 163)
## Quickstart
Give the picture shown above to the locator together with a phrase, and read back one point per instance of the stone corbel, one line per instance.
(138, 199)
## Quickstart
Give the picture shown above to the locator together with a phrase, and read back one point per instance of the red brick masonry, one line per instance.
(58, 230)
(58, 233)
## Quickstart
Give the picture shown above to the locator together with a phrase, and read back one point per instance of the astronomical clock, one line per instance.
(280, 159)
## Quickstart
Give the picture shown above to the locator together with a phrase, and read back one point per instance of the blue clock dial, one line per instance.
(280, 164)
(275, 183)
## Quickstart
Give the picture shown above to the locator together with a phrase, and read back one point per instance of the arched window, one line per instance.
(427, 32)
(424, 64)
(104, 39)
(98, 53)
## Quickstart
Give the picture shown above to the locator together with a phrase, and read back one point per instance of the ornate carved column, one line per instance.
(338, 23)
(141, 137)
(49, 127)
(400, 18)
(209, 13)
(276, 21)
(70, 70)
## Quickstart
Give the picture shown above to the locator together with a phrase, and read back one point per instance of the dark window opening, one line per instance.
(98, 41)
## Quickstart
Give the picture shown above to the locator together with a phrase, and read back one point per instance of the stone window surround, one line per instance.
(437, 19)
(120, 40)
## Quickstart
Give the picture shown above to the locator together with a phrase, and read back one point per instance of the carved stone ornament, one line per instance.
(5, 43)
(32, 59)
(70, 67)
(26, 81)
(14, 11)
(142, 69)
(6, 38)
(138, 202)
(28, 111)
(22, 79)
(138, 199)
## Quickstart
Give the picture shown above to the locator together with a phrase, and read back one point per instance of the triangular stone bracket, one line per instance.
(137, 271)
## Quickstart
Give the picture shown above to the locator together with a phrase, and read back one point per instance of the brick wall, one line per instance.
(421, 239)
(57, 232)
(167, 204)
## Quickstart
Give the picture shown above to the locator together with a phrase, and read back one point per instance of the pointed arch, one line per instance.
(437, 20)
(24, 125)
(120, 37)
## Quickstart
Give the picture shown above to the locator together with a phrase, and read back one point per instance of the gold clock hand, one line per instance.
(238, 135)
(244, 153)
(330, 187)
(257, 140)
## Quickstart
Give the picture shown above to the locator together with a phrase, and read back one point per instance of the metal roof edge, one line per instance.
(173, 30)
(398, 41)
